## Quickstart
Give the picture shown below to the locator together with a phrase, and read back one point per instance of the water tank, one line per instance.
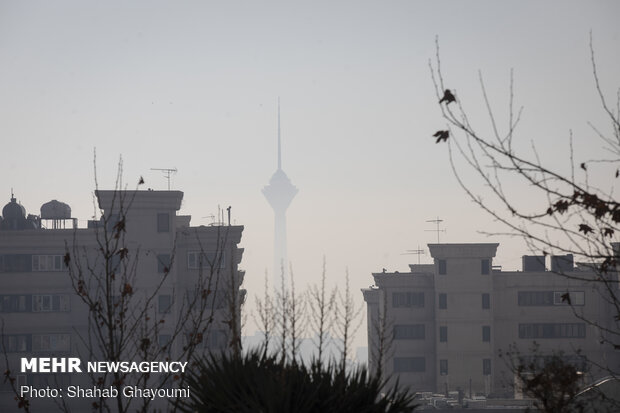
(55, 210)
(533, 263)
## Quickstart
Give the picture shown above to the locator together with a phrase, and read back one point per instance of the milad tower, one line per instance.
(280, 192)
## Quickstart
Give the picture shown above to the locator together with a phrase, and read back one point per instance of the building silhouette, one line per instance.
(445, 323)
(182, 276)
(279, 193)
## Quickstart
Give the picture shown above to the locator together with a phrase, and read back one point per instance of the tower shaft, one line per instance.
(279, 193)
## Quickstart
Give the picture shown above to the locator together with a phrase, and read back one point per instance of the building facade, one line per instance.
(159, 288)
(442, 327)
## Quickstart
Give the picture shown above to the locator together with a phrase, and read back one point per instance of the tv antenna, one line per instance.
(437, 222)
(417, 252)
(167, 173)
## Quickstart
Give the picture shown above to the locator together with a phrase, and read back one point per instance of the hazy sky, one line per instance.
(194, 85)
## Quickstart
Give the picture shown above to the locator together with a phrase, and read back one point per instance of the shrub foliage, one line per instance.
(258, 382)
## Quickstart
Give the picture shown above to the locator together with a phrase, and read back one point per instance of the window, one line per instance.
(5, 304)
(13, 303)
(409, 332)
(486, 301)
(569, 298)
(47, 263)
(51, 302)
(164, 340)
(41, 303)
(163, 263)
(22, 380)
(51, 342)
(217, 300)
(214, 339)
(164, 303)
(443, 334)
(549, 298)
(409, 364)
(217, 339)
(552, 330)
(486, 367)
(485, 267)
(539, 361)
(214, 300)
(443, 367)
(61, 302)
(408, 299)
(443, 269)
(443, 301)
(53, 380)
(486, 333)
(16, 343)
(163, 222)
(206, 260)
(196, 339)
(535, 298)
(16, 263)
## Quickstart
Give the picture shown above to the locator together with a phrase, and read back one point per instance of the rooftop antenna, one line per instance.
(437, 221)
(417, 252)
(167, 173)
(279, 149)
(212, 216)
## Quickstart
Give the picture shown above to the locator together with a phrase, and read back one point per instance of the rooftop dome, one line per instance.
(14, 217)
(13, 210)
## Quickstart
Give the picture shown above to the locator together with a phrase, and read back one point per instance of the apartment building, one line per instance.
(182, 281)
(447, 323)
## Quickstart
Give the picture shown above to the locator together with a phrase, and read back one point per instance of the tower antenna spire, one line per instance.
(279, 143)
(279, 193)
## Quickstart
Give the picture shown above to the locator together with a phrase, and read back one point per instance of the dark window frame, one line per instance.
(164, 341)
(164, 261)
(551, 330)
(163, 222)
(486, 367)
(443, 334)
(409, 364)
(408, 299)
(549, 298)
(486, 301)
(164, 304)
(485, 266)
(206, 260)
(442, 301)
(486, 334)
(442, 267)
(409, 332)
(443, 367)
